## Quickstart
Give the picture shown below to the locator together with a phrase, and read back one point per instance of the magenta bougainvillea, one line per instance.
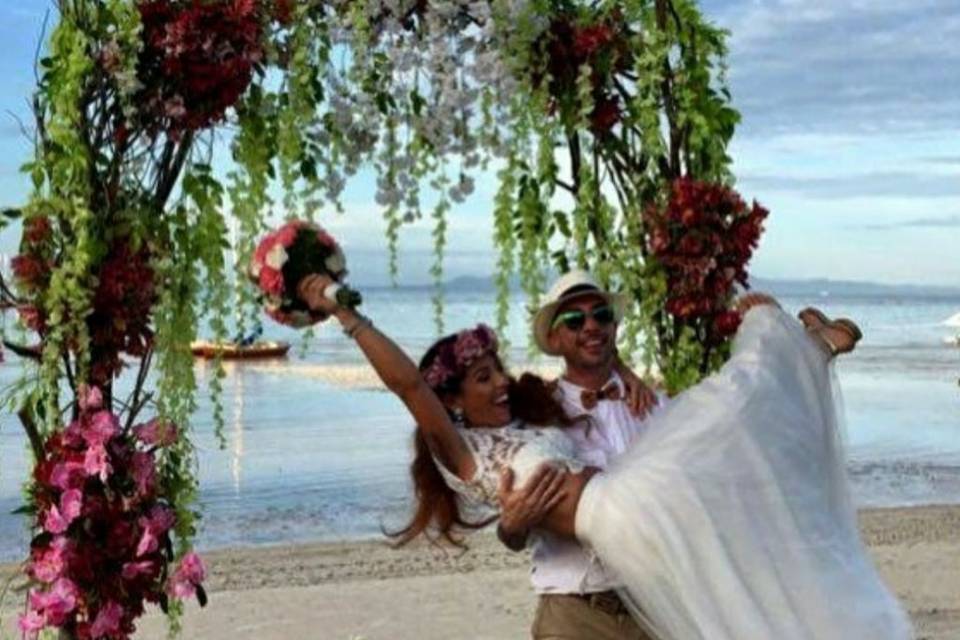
(104, 520)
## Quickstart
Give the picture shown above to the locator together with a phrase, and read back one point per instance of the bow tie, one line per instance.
(589, 399)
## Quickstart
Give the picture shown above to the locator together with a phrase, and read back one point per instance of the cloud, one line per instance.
(948, 222)
(948, 160)
(877, 66)
(875, 184)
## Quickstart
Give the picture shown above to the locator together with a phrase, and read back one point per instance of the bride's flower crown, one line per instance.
(454, 357)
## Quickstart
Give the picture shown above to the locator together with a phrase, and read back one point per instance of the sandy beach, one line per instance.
(368, 591)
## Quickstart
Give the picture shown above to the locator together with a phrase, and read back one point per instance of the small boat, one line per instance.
(234, 351)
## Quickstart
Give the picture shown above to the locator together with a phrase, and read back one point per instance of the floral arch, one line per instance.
(606, 122)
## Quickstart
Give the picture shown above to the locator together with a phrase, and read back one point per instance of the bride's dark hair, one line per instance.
(437, 514)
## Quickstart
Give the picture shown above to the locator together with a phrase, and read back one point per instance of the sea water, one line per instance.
(315, 450)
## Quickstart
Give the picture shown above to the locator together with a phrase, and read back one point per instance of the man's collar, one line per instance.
(574, 388)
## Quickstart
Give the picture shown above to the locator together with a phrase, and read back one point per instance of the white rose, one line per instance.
(336, 262)
(276, 257)
(255, 268)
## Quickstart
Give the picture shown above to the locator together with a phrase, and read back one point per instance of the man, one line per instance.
(578, 322)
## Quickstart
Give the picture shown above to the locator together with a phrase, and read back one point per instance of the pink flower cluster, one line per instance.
(454, 356)
(704, 237)
(103, 544)
(282, 258)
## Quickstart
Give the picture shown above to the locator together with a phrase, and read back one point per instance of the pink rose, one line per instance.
(188, 576)
(107, 622)
(89, 398)
(287, 234)
(271, 281)
(473, 343)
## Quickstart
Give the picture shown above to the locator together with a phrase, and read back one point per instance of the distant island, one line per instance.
(803, 288)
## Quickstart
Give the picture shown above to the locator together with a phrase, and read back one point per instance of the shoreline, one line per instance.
(366, 590)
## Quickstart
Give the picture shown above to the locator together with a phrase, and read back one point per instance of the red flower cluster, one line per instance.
(704, 238)
(283, 11)
(104, 545)
(588, 40)
(120, 322)
(198, 59)
(30, 271)
(37, 230)
(601, 45)
(32, 267)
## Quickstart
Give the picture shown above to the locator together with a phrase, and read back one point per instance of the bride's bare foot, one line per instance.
(835, 336)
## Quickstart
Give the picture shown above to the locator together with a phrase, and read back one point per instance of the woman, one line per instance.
(729, 519)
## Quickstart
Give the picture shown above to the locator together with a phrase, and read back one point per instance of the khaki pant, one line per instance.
(563, 617)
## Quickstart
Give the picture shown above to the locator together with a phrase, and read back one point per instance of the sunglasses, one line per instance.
(574, 319)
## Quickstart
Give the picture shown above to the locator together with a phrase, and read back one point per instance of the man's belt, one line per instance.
(606, 601)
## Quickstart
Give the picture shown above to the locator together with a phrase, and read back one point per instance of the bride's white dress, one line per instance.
(730, 518)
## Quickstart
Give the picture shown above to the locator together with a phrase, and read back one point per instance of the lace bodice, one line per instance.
(514, 446)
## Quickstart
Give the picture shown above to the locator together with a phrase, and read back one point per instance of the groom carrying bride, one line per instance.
(577, 599)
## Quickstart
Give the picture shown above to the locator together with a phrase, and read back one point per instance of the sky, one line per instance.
(850, 136)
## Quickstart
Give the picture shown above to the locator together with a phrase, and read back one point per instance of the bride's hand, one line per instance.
(311, 290)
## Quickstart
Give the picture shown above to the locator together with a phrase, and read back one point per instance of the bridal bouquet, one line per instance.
(286, 256)
(104, 524)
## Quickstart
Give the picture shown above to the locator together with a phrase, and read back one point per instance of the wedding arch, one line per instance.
(606, 123)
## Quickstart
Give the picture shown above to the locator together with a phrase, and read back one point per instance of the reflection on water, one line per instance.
(237, 431)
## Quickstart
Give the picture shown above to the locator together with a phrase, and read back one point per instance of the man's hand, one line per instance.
(640, 398)
(524, 508)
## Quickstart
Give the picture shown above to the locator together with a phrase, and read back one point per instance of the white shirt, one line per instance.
(560, 565)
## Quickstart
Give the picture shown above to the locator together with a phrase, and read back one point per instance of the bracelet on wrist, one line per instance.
(358, 325)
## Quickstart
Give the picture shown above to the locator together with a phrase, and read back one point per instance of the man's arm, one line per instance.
(523, 509)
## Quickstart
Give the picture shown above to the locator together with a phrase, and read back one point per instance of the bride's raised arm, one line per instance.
(400, 375)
